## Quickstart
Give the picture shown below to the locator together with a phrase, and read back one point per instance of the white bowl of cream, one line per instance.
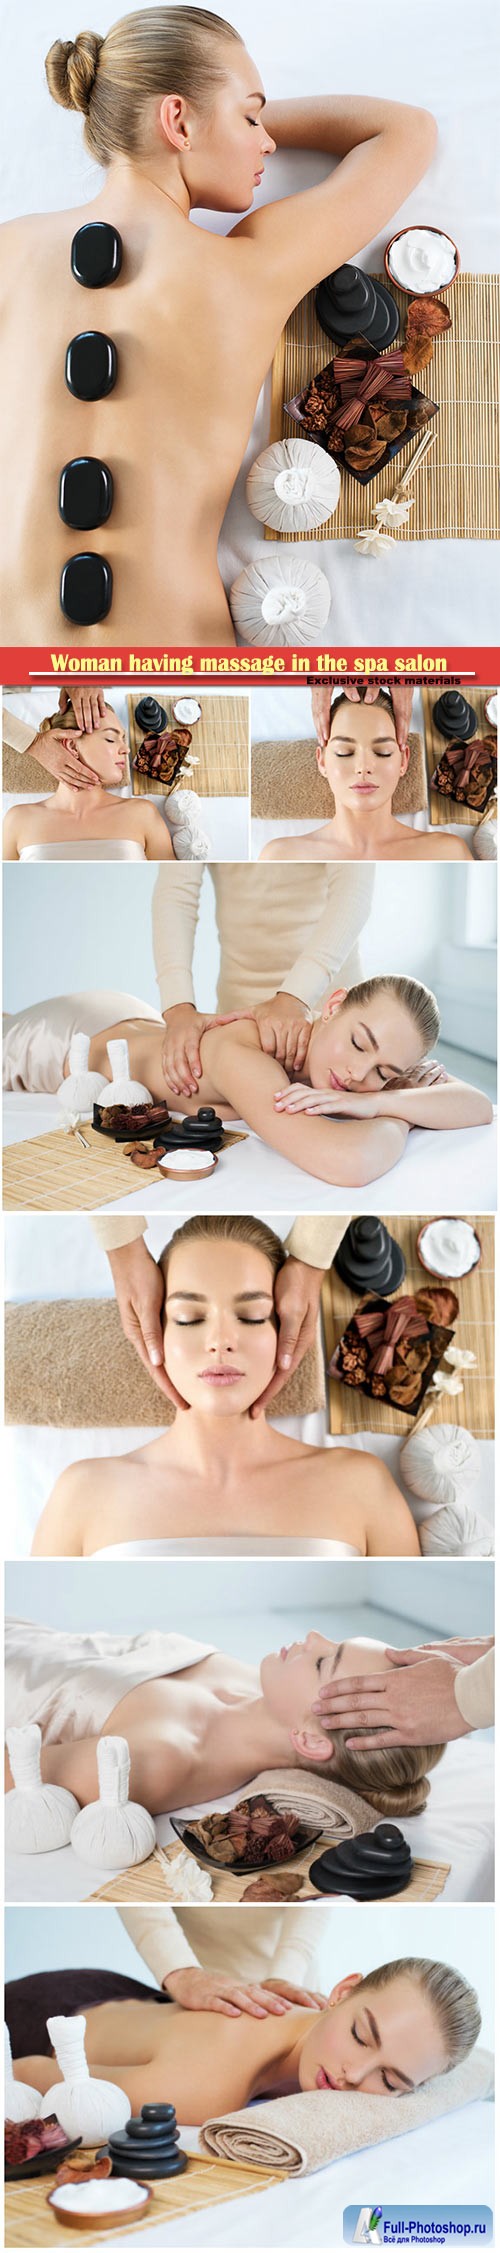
(421, 259)
(491, 710)
(187, 711)
(448, 1247)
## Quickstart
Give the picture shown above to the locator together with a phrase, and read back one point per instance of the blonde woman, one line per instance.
(363, 762)
(365, 1063)
(175, 111)
(89, 823)
(221, 1481)
(385, 2033)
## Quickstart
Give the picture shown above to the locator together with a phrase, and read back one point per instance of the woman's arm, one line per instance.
(347, 1154)
(451, 1103)
(157, 838)
(384, 148)
(59, 1532)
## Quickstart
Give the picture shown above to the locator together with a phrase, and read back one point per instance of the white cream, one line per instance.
(187, 1161)
(491, 709)
(109, 2195)
(187, 711)
(422, 259)
(450, 1247)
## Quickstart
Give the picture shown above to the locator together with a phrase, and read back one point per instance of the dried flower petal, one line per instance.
(426, 318)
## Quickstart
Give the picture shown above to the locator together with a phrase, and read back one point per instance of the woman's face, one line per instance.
(229, 141)
(106, 749)
(363, 1046)
(362, 760)
(220, 1325)
(291, 1678)
(384, 2041)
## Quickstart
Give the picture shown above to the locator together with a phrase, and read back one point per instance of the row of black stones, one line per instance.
(86, 484)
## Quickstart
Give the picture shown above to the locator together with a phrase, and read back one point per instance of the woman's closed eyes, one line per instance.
(391, 2086)
(384, 1077)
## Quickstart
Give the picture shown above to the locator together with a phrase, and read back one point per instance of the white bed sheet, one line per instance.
(35, 1456)
(462, 1786)
(456, 1171)
(452, 2157)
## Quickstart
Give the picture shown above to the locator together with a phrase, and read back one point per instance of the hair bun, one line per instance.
(70, 68)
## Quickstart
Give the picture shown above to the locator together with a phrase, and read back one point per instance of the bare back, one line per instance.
(194, 335)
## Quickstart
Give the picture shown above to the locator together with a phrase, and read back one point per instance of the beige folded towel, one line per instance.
(302, 2133)
(338, 1812)
(287, 784)
(67, 1363)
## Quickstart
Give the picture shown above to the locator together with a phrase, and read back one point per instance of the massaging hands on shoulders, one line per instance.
(196, 1989)
(414, 1703)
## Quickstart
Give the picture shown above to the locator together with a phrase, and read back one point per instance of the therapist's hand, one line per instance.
(140, 1290)
(284, 1029)
(402, 702)
(60, 754)
(296, 1298)
(414, 1704)
(180, 1057)
(196, 1989)
(89, 705)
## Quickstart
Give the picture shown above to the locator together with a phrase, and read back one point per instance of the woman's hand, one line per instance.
(296, 1299)
(196, 1989)
(329, 1102)
(284, 1030)
(60, 755)
(413, 1705)
(140, 1291)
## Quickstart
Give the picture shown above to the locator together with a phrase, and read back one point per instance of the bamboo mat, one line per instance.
(51, 1173)
(29, 2221)
(449, 809)
(350, 1411)
(220, 743)
(456, 491)
(150, 1882)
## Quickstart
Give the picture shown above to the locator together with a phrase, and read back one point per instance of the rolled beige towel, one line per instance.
(330, 1807)
(299, 2134)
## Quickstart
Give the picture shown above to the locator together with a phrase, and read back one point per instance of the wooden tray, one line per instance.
(456, 493)
(475, 1407)
(51, 1173)
(448, 809)
(150, 1882)
(205, 2182)
(220, 742)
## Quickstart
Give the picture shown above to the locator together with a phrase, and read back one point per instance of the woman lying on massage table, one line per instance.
(362, 1067)
(388, 2032)
(219, 1473)
(199, 1723)
(363, 762)
(73, 819)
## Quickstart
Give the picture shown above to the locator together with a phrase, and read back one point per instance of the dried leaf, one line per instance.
(426, 318)
(366, 449)
(389, 422)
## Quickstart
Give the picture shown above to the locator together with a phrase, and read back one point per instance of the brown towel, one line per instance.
(299, 2134)
(287, 785)
(67, 1363)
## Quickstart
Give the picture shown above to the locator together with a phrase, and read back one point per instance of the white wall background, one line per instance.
(357, 1939)
(44, 1252)
(243, 1605)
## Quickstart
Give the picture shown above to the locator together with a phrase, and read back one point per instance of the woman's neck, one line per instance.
(146, 190)
(224, 1447)
(362, 833)
(77, 805)
(279, 2072)
(241, 1738)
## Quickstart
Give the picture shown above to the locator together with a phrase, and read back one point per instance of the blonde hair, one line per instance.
(454, 2003)
(393, 1778)
(233, 1228)
(419, 1002)
(154, 52)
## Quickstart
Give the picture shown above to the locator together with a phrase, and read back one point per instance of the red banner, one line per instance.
(25, 667)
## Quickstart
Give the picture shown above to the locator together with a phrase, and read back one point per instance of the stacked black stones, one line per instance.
(350, 303)
(454, 717)
(86, 484)
(150, 716)
(204, 1132)
(368, 1868)
(148, 2145)
(368, 1259)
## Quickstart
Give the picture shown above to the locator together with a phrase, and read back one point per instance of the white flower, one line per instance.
(460, 1357)
(393, 512)
(442, 1383)
(372, 541)
(191, 1882)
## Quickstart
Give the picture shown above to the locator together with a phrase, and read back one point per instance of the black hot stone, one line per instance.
(85, 493)
(150, 715)
(91, 365)
(86, 589)
(96, 254)
(205, 1132)
(454, 717)
(148, 2144)
(377, 1863)
(368, 1259)
(350, 303)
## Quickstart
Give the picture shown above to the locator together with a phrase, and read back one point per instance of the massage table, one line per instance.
(460, 1165)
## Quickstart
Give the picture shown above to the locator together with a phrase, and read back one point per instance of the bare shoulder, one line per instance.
(442, 845)
(278, 849)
